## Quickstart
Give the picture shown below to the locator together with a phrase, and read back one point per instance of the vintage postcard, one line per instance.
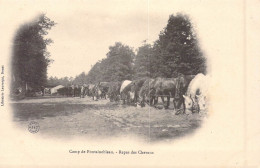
(140, 83)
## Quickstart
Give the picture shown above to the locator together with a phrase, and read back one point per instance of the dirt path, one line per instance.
(70, 117)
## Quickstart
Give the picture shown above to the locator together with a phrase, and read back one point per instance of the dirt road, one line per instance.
(71, 117)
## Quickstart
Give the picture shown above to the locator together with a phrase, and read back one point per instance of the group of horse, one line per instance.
(189, 92)
(70, 91)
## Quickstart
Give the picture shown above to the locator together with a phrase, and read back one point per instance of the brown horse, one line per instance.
(183, 82)
(164, 87)
(171, 88)
(146, 93)
(133, 90)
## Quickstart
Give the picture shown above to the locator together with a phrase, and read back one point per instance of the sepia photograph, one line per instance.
(157, 91)
(162, 83)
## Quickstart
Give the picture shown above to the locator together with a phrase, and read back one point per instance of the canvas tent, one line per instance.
(55, 89)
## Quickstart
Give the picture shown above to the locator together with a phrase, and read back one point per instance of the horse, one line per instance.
(114, 91)
(124, 90)
(164, 87)
(183, 82)
(97, 92)
(77, 91)
(136, 86)
(196, 94)
(83, 90)
(103, 86)
(146, 94)
(91, 90)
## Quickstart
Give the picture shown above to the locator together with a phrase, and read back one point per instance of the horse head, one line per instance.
(188, 101)
(201, 99)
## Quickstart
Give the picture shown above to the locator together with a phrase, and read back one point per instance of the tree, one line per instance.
(80, 79)
(94, 74)
(176, 51)
(178, 48)
(54, 81)
(30, 57)
(158, 67)
(120, 59)
(142, 61)
(118, 65)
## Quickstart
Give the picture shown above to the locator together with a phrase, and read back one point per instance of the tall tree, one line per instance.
(95, 72)
(117, 66)
(142, 61)
(30, 56)
(176, 51)
(179, 49)
(120, 59)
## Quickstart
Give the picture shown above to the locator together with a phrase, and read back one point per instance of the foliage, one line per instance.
(80, 79)
(177, 49)
(54, 81)
(117, 66)
(175, 52)
(142, 61)
(30, 57)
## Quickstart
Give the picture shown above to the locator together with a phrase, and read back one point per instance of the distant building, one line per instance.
(55, 89)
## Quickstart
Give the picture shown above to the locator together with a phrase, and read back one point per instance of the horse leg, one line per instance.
(143, 100)
(180, 102)
(177, 107)
(162, 97)
(154, 100)
(168, 101)
(174, 104)
(184, 107)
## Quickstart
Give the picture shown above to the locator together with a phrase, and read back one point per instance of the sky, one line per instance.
(83, 36)
(86, 28)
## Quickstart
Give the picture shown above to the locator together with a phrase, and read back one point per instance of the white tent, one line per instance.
(55, 89)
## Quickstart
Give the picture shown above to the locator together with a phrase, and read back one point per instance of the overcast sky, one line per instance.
(83, 36)
(86, 29)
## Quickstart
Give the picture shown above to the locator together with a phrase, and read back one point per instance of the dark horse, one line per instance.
(103, 87)
(171, 88)
(131, 91)
(183, 82)
(146, 94)
(164, 87)
(136, 87)
(91, 90)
